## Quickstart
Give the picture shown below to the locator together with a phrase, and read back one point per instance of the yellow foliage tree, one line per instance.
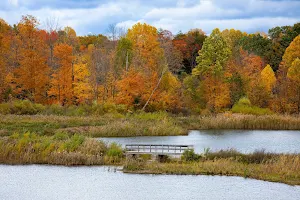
(292, 52)
(147, 53)
(268, 78)
(82, 87)
(294, 75)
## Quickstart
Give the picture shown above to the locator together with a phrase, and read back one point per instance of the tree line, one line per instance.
(151, 69)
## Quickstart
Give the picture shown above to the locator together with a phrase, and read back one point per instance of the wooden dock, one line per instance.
(156, 149)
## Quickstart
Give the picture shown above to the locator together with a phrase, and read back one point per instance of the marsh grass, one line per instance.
(60, 149)
(26, 107)
(261, 165)
(140, 124)
(239, 121)
(93, 126)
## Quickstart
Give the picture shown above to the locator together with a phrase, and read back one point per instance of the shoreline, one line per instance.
(253, 172)
(149, 124)
(70, 141)
(118, 168)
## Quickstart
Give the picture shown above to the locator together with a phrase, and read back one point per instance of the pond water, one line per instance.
(241, 140)
(56, 182)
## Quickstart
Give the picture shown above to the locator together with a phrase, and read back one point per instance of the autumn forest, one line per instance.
(145, 68)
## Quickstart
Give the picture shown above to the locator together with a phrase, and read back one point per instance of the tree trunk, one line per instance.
(127, 61)
(159, 80)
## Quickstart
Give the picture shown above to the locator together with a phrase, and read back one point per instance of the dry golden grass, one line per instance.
(59, 149)
(238, 121)
(283, 168)
(149, 124)
(94, 126)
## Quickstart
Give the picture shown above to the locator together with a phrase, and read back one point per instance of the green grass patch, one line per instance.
(244, 106)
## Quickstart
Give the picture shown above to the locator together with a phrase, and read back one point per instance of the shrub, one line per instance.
(4, 108)
(60, 136)
(258, 156)
(231, 153)
(109, 108)
(151, 116)
(190, 155)
(74, 142)
(54, 109)
(244, 101)
(93, 147)
(121, 108)
(77, 110)
(114, 153)
(14, 136)
(115, 150)
(21, 107)
(244, 106)
(134, 164)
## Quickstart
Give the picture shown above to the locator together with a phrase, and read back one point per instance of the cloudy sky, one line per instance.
(93, 16)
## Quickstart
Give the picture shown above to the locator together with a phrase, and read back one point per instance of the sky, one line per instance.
(94, 16)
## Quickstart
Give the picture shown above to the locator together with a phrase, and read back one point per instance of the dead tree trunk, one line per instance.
(159, 80)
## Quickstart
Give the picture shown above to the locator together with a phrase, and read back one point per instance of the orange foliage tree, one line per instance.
(32, 73)
(82, 86)
(61, 90)
(149, 66)
(5, 43)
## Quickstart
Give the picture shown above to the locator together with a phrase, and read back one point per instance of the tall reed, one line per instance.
(60, 149)
(261, 165)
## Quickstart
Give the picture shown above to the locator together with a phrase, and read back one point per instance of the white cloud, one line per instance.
(205, 9)
(258, 24)
(207, 25)
(247, 15)
(129, 23)
(76, 18)
(13, 2)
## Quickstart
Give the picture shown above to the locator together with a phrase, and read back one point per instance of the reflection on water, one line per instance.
(56, 182)
(242, 140)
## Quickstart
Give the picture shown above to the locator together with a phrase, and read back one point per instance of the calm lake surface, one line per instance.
(242, 140)
(56, 182)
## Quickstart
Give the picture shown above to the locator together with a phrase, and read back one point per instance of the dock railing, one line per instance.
(163, 149)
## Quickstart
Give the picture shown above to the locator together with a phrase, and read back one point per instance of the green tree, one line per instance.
(213, 55)
(124, 53)
(256, 43)
(281, 38)
(232, 38)
(211, 61)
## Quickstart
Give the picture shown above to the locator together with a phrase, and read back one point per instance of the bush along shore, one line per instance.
(284, 168)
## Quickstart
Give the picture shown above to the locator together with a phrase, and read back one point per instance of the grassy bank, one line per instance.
(60, 149)
(259, 165)
(238, 121)
(140, 124)
(93, 126)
